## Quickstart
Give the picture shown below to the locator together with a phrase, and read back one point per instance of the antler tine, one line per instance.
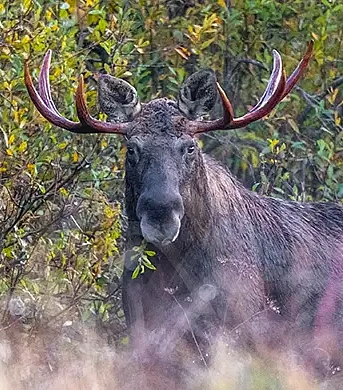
(268, 101)
(45, 105)
(49, 114)
(299, 70)
(277, 66)
(44, 83)
(87, 120)
(271, 97)
(276, 90)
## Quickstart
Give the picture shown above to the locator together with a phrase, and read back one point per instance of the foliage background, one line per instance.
(61, 195)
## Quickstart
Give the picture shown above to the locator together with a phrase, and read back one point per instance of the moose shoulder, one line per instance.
(255, 270)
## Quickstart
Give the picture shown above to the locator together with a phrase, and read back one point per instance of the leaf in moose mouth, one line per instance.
(141, 258)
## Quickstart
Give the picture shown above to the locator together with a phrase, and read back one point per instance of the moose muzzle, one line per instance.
(160, 211)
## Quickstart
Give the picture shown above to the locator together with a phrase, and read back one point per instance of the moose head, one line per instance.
(162, 153)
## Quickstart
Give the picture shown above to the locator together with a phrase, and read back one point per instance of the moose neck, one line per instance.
(216, 206)
(218, 202)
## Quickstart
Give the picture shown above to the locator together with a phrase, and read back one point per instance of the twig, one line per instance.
(192, 332)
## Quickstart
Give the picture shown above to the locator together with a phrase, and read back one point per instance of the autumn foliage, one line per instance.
(61, 195)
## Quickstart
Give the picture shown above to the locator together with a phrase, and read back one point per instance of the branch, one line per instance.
(335, 84)
(313, 101)
(252, 62)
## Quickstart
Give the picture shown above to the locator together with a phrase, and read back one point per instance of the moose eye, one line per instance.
(190, 149)
(130, 151)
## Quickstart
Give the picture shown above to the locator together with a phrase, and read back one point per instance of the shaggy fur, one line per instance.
(260, 273)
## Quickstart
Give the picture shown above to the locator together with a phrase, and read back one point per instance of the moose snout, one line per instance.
(160, 216)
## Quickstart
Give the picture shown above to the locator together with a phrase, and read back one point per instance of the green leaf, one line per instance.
(150, 265)
(150, 253)
(135, 273)
(96, 12)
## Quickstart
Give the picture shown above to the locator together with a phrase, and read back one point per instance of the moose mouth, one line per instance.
(161, 233)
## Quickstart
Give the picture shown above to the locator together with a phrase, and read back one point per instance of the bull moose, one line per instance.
(258, 271)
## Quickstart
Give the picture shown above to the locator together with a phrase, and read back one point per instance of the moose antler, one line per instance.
(45, 105)
(278, 87)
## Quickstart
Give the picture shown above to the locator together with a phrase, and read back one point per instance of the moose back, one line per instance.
(259, 272)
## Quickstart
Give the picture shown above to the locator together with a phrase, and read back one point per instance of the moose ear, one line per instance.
(117, 99)
(198, 94)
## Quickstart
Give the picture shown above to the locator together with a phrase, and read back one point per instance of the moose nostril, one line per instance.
(158, 232)
(160, 207)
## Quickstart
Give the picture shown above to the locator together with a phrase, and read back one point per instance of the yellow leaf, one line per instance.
(48, 15)
(22, 147)
(75, 156)
(113, 22)
(182, 52)
(272, 144)
(11, 139)
(63, 191)
(31, 168)
(3, 166)
(334, 95)
(25, 39)
(26, 5)
(109, 212)
(9, 152)
(103, 116)
(6, 85)
(16, 116)
(222, 3)
(315, 36)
